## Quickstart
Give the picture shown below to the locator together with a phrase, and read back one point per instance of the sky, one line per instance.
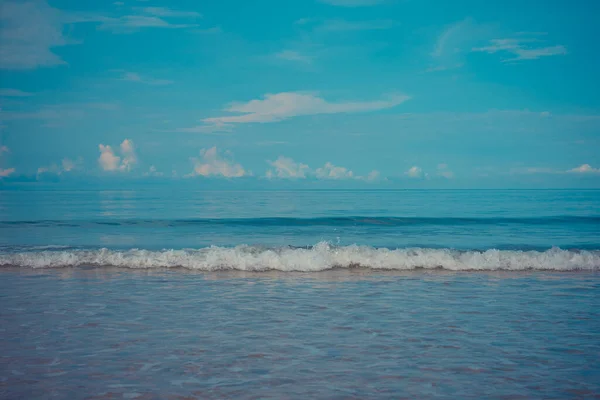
(306, 93)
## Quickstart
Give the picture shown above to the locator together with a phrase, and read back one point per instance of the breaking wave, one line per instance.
(320, 257)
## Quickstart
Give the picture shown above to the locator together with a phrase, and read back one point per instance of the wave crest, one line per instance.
(320, 257)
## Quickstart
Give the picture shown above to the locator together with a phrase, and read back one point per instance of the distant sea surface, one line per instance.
(300, 294)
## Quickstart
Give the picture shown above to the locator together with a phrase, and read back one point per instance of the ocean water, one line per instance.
(155, 293)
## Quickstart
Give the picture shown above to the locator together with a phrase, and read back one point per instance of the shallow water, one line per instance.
(96, 333)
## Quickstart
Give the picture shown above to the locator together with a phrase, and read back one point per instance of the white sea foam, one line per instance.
(318, 258)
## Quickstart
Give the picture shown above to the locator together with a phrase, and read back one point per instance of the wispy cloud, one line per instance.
(326, 38)
(521, 48)
(342, 25)
(583, 169)
(208, 129)
(31, 30)
(57, 115)
(208, 31)
(534, 170)
(453, 43)
(149, 17)
(211, 163)
(132, 23)
(281, 106)
(294, 56)
(14, 93)
(353, 3)
(467, 36)
(135, 77)
(444, 171)
(271, 142)
(28, 33)
(168, 12)
(109, 161)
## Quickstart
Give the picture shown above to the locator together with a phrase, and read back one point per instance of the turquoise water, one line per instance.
(307, 294)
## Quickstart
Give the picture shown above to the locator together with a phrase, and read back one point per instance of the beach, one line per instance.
(97, 333)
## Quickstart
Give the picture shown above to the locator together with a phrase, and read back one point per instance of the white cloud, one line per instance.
(290, 55)
(330, 171)
(372, 176)
(14, 93)
(6, 172)
(352, 3)
(286, 168)
(109, 161)
(280, 106)
(135, 77)
(4, 149)
(585, 169)
(442, 170)
(68, 164)
(211, 163)
(128, 153)
(521, 48)
(414, 172)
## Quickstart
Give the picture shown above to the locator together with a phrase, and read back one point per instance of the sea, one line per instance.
(185, 293)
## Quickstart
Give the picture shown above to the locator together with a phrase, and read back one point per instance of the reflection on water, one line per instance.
(108, 333)
(117, 203)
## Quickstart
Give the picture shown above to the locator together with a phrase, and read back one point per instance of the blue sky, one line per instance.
(377, 93)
